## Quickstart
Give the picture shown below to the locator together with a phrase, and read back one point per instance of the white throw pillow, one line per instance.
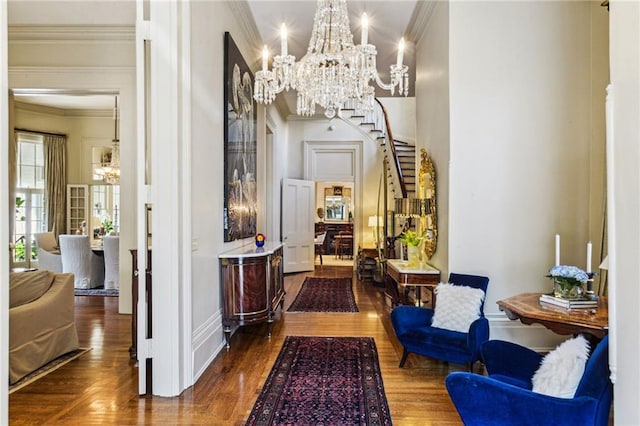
(561, 369)
(457, 306)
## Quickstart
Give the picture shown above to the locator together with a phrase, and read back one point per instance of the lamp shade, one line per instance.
(605, 263)
(375, 221)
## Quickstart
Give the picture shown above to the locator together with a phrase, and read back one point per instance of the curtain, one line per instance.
(13, 172)
(55, 170)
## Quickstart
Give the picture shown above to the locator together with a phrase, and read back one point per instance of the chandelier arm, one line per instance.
(383, 85)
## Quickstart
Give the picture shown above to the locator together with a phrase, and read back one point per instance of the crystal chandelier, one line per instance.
(110, 172)
(334, 73)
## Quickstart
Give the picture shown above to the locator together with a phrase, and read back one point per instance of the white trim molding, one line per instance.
(536, 337)
(207, 342)
(84, 33)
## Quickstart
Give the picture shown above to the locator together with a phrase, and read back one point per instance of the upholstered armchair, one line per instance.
(49, 257)
(41, 320)
(505, 397)
(78, 258)
(111, 261)
(415, 328)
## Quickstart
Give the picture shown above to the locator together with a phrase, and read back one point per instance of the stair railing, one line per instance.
(392, 147)
(378, 119)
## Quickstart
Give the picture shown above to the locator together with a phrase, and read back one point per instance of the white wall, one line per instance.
(624, 208)
(209, 21)
(402, 117)
(520, 144)
(432, 118)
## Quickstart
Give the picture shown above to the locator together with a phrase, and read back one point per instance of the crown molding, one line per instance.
(49, 110)
(25, 32)
(242, 12)
(420, 18)
(70, 70)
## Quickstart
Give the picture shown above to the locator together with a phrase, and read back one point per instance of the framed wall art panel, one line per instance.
(240, 146)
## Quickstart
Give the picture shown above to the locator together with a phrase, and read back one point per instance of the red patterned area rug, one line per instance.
(323, 381)
(325, 295)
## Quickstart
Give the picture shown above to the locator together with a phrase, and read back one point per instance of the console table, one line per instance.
(527, 308)
(252, 283)
(400, 274)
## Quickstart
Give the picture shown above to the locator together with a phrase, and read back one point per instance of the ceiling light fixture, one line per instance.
(334, 74)
(110, 172)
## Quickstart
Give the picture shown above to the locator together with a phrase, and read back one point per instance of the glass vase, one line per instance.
(566, 290)
(413, 255)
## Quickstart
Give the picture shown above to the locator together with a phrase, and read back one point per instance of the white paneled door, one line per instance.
(298, 205)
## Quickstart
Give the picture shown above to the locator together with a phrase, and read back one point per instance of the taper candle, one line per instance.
(400, 51)
(589, 248)
(365, 30)
(557, 249)
(265, 58)
(283, 40)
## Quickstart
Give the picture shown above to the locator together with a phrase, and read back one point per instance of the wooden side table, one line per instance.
(526, 307)
(399, 274)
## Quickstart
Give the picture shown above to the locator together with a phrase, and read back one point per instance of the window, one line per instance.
(105, 209)
(31, 213)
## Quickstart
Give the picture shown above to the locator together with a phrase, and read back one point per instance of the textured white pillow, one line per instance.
(457, 306)
(561, 369)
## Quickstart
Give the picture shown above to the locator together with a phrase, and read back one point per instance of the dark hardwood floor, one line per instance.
(101, 386)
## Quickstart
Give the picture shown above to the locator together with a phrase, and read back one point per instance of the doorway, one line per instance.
(334, 217)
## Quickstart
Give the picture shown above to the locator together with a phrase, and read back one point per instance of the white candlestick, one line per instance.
(557, 249)
(400, 51)
(265, 58)
(365, 29)
(589, 248)
(283, 40)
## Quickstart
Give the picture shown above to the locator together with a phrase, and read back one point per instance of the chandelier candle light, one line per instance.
(335, 73)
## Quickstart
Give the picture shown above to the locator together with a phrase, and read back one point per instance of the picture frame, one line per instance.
(240, 146)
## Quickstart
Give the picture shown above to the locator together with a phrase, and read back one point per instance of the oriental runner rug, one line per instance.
(323, 381)
(325, 295)
(114, 292)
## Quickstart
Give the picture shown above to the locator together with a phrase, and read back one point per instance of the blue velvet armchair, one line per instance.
(506, 398)
(412, 326)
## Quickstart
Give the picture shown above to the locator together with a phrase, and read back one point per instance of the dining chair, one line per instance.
(49, 257)
(111, 261)
(345, 244)
(78, 258)
(319, 244)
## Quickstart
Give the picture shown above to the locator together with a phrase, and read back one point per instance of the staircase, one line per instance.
(400, 156)
(406, 155)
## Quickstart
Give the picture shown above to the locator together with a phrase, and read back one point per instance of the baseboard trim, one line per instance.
(534, 336)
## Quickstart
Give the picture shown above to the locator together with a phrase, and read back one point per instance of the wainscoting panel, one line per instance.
(207, 341)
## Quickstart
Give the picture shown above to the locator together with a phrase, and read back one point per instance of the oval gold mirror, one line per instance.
(429, 221)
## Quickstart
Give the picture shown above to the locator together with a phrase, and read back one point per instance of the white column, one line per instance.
(4, 226)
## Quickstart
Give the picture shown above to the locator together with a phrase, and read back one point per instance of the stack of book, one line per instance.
(584, 303)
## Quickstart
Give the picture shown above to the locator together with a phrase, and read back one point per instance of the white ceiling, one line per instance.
(388, 21)
(67, 101)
